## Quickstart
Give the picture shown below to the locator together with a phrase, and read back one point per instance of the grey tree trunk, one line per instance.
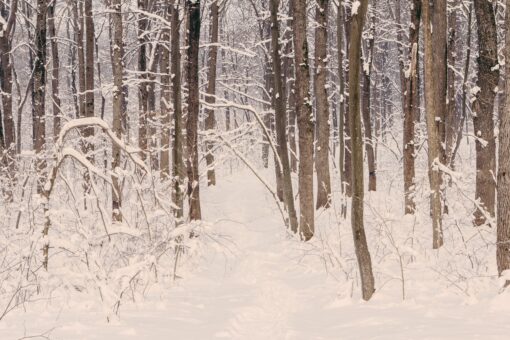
(342, 106)
(118, 99)
(55, 72)
(166, 98)
(210, 120)
(503, 220)
(305, 123)
(358, 229)
(8, 133)
(411, 107)
(434, 104)
(193, 9)
(178, 167)
(365, 108)
(321, 97)
(483, 107)
(280, 115)
(39, 123)
(143, 80)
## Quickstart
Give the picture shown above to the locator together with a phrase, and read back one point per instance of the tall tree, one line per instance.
(280, 117)
(118, 99)
(178, 167)
(435, 98)
(55, 69)
(366, 105)
(358, 229)
(503, 220)
(411, 106)
(305, 121)
(210, 120)
(7, 25)
(193, 9)
(483, 107)
(39, 123)
(321, 97)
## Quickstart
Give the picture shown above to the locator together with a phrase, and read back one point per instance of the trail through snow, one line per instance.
(261, 288)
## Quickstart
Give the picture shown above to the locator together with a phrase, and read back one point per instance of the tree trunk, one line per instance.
(8, 133)
(347, 120)
(433, 101)
(365, 108)
(411, 107)
(210, 120)
(39, 123)
(55, 75)
(178, 167)
(193, 9)
(305, 123)
(503, 222)
(483, 108)
(118, 99)
(280, 115)
(142, 86)
(321, 96)
(166, 98)
(89, 60)
(358, 229)
(341, 118)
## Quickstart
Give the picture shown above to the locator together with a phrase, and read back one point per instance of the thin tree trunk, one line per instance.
(210, 120)
(503, 220)
(433, 99)
(358, 229)
(118, 99)
(39, 123)
(8, 134)
(305, 123)
(178, 167)
(483, 108)
(193, 9)
(166, 98)
(55, 75)
(411, 108)
(142, 86)
(280, 115)
(365, 108)
(321, 95)
(341, 118)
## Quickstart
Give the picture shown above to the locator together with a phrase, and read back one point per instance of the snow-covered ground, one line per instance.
(257, 283)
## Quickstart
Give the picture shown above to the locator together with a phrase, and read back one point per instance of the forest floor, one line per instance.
(261, 284)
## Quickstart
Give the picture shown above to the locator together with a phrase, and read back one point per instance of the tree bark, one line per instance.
(178, 167)
(55, 72)
(39, 123)
(193, 9)
(365, 108)
(503, 192)
(118, 99)
(305, 121)
(210, 120)
(483, 108)
(411, 107)
(434, 104)
(358, 229)
(280, 117)
(322, 113)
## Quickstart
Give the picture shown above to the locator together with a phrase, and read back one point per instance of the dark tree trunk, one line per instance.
(193, 9)
(358, 229)
(483, 108)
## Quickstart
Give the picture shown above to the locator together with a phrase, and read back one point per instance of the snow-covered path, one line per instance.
(260, 288)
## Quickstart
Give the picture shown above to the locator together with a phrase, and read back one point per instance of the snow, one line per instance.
(256, 282)
(355, 7)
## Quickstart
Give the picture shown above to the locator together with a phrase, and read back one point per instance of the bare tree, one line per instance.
(358, 229)
(193, 9)
(321, 97)
(305, 121)
(39, 123)
(55, 69)
(210, 120)
(434, 101)
(411, 106)
(118, 99)
(503, 220)
(280, 115)
(483, 107)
